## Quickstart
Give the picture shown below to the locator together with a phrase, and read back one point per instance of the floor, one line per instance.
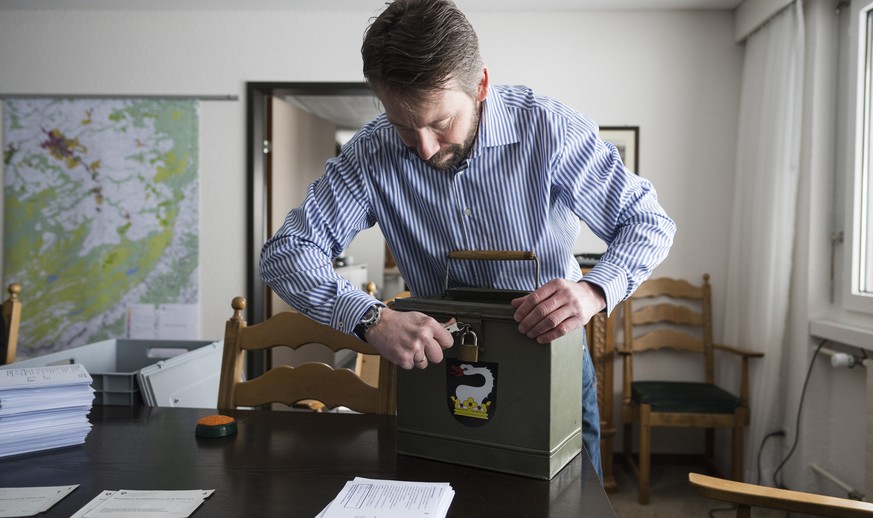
(671, 496)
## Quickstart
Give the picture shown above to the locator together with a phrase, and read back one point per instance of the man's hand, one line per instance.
(556, 308)
(409, 339)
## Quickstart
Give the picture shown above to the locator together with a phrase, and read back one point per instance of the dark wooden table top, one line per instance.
(281, 464)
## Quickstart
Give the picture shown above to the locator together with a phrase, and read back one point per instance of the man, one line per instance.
(457, 164)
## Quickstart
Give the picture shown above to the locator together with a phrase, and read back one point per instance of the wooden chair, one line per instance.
(310, 381)
(747, 496)
(11, 321)
(674, 314)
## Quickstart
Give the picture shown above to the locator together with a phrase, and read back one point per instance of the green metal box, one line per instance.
(518, 409)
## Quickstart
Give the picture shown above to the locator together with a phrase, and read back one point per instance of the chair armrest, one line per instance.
(619, 348)
(747, 495)
(735, 350)
(744, 355)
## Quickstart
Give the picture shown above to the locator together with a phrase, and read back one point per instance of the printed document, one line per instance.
(126, 503)
(370, 498)
(28, 501)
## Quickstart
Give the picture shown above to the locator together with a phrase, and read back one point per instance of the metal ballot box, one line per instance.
(499, 400)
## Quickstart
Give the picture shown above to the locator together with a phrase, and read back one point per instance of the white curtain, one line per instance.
(764, 203)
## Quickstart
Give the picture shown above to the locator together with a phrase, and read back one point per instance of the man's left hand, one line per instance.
(556, 308)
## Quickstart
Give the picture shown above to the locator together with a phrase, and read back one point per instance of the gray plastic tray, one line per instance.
(114, 364)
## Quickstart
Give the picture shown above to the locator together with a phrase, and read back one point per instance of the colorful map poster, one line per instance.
(100, 214)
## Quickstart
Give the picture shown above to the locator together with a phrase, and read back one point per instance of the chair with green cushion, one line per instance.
(674, 314)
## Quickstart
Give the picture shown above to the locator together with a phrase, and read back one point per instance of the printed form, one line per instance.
(127, 503)
(371, 498)
(29, 501)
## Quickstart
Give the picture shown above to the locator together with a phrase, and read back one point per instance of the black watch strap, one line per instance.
(371, 317)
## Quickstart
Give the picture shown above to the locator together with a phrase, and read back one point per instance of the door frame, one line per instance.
(259, 181)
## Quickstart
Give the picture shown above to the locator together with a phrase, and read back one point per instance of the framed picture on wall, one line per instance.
(627, 140)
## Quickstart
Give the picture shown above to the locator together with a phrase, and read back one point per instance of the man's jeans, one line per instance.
(590, 413)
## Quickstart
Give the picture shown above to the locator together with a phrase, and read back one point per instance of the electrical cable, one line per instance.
(777, 433)
(758, 476)
(776, 483)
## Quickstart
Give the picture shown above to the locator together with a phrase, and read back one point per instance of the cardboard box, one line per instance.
(517, 409)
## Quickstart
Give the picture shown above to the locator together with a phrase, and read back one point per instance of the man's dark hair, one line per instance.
(415, 48)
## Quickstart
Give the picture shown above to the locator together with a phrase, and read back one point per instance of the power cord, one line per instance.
(777, 433)
(779, 483)
(781, 433)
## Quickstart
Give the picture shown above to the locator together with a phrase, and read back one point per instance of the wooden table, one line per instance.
(281, 464)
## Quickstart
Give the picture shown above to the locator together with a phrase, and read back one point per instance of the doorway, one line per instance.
(344, 106)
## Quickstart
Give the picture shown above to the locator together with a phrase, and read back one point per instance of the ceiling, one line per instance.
(370, 5)
(348, 112)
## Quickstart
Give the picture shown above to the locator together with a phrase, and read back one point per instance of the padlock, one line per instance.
(469, 352)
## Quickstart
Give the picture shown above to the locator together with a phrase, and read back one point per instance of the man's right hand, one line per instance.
(409, 339)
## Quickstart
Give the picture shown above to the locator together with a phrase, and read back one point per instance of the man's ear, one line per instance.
(482, 87)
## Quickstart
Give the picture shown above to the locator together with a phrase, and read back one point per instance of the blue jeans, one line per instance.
(590, 412)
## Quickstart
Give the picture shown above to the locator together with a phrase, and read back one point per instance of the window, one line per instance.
(858, 273)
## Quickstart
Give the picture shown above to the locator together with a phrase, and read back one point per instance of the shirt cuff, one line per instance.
(612, 280)
(350, 308)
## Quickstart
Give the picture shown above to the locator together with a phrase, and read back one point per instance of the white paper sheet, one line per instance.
(93, 504)
(48, 376)
(28, 501)
(163, 321)
(390, 499)
(126, 503)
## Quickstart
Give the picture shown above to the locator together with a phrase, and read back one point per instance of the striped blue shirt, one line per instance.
(537, 168)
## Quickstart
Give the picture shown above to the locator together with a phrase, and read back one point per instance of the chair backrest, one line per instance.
(310, 381)
(671, 313)
(11, 321)
(747, 496)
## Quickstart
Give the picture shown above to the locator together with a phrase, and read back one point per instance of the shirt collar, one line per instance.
(496, 127)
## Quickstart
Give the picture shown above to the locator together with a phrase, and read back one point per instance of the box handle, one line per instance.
(494, 255)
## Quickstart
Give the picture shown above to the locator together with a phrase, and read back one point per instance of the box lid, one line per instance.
(483, 302)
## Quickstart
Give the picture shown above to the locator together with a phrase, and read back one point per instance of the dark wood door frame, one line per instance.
(258, 95)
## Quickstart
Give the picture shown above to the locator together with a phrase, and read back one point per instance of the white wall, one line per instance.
(676, 74)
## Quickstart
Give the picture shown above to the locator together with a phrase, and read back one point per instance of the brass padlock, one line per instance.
(469, 352)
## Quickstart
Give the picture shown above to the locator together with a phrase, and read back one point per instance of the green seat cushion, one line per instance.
(684, 396)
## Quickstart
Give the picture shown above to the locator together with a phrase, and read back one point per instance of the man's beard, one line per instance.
(452, 156)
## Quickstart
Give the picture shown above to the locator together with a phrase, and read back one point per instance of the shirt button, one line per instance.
(467, 211)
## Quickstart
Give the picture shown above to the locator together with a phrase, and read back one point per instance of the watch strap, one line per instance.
(371, 317)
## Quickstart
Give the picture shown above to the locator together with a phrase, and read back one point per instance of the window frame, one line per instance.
(860, 156)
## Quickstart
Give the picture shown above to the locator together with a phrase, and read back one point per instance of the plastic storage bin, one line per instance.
(189, 380)
(115, 364)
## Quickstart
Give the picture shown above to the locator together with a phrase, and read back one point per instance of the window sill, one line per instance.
(843, 332)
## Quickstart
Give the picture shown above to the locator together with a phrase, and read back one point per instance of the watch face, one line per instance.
(370, 316)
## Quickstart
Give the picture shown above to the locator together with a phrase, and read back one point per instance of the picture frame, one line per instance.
(627, 140)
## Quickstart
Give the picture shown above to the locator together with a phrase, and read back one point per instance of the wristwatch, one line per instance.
(371, 318)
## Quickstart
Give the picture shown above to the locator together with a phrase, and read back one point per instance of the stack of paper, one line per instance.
(390, 499)
(43, 408)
